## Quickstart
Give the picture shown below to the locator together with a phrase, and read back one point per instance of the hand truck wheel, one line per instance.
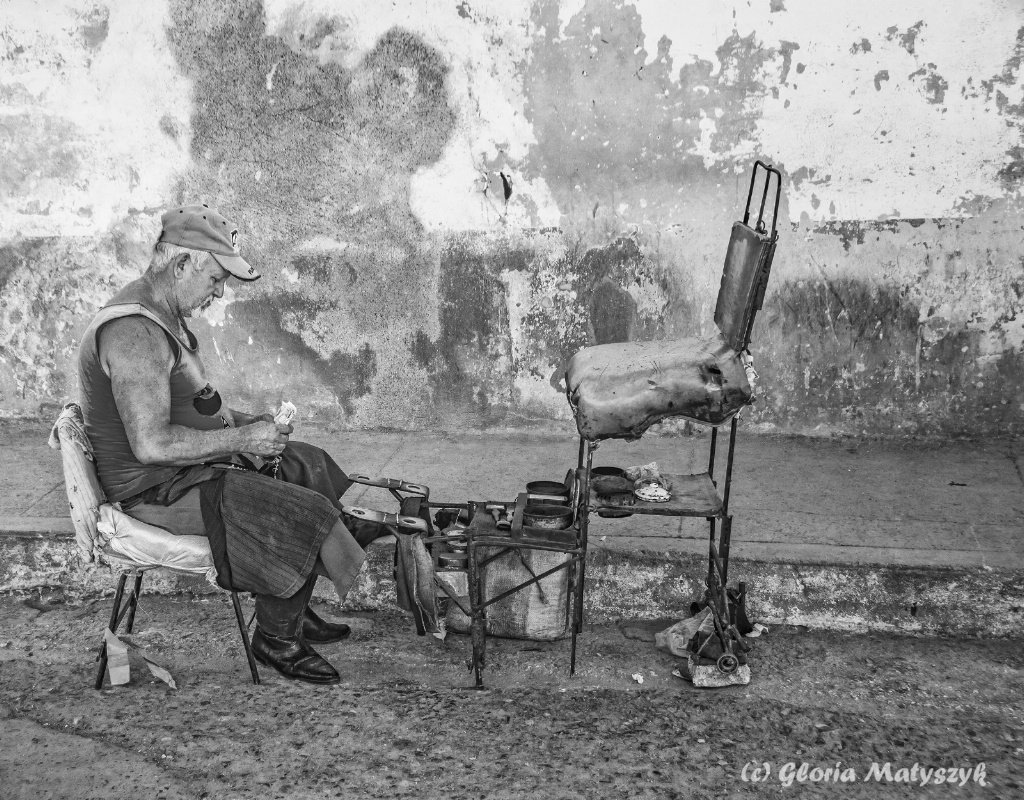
(728, 663)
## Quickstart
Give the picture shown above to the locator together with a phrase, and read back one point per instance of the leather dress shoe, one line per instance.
(293, 658)
(321, 631)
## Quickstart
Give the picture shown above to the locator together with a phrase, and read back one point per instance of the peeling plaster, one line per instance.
(482, 51)
(83, 138)
(447, 201)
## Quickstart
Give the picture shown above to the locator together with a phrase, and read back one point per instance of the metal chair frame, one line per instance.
(718, 554)
(125, 608)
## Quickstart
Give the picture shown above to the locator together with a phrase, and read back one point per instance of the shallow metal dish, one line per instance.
(547, 515)
(556, 488)
(611, 472)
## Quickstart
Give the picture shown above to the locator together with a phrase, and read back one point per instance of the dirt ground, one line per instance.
(405, 722)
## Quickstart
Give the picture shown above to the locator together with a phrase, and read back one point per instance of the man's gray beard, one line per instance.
(198, 312)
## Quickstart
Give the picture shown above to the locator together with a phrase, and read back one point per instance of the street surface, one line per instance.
(946, 715)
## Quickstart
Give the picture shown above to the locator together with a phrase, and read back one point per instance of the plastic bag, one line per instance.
(647, 474)
(675, 639)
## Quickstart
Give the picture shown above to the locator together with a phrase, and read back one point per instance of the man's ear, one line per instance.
(181, 265)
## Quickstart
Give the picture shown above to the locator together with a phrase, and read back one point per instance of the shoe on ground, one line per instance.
(293, 658)
(315, 629)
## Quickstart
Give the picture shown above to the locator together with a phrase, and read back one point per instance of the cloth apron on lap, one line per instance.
(265, 533)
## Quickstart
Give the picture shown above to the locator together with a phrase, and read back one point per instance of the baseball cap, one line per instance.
(199, 227)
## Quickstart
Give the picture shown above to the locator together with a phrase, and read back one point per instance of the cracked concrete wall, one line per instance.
(447, 199)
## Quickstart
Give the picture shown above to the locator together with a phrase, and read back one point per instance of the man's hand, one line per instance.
(267, 438)
(242, 419)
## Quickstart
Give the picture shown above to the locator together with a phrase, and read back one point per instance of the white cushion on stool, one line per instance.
(147, 546)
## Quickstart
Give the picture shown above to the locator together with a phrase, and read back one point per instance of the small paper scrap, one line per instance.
(285, 413)
(638, 677)
(158, 671)
(117, 659)
(117, 662)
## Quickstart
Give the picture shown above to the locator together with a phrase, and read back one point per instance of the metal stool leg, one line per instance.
(243, 629)
(133, 603)
(112, 625)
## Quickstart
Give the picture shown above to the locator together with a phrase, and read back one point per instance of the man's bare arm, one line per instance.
(242, 418)
(136, 354)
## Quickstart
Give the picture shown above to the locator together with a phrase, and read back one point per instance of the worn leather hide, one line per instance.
(617, 391)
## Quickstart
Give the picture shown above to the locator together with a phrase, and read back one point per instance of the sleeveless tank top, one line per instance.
(121, 473)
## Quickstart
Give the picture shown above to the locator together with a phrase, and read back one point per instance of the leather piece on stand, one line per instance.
(414, 583)
(618, 391)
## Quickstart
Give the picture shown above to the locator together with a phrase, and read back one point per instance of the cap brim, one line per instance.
(238, 267)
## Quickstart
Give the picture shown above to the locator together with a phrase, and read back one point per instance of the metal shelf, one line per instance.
(692, 496)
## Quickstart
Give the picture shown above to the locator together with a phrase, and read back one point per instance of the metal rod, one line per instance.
(134, 602)
(750, 194)
(711, 544)
(711, 475)
(581, 568)
(716, 563)
(444, 587)
(764, 196)
(711, 457)
(243, 629)
(478, 630)
(778, 194)
(584, 531)
(493, 556)
(728, 468)
(520, 587)
(112, 625)
(521, 544)
(726, 519)
(723, 547)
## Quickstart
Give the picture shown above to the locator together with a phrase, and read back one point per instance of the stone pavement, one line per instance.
(844, 533)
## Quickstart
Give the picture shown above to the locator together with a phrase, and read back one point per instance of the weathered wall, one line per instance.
(448, 198)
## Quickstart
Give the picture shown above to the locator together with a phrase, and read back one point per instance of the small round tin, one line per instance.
(452, 561)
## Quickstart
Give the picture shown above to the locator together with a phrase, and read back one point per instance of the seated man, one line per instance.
(174, 455)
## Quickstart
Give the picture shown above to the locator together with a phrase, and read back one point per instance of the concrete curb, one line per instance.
(965, 601)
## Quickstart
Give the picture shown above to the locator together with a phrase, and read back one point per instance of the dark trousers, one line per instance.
(309, 466)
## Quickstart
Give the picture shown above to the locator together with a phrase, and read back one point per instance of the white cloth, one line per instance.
(85, 495)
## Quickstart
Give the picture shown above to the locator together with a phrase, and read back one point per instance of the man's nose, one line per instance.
(218, 290)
